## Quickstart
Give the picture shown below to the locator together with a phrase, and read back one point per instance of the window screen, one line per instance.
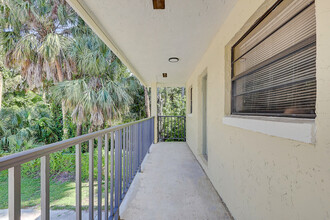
(274, 64)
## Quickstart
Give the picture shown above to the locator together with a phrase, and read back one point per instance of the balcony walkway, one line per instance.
(172, 185)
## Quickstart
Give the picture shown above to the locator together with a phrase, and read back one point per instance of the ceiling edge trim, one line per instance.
(87, 17)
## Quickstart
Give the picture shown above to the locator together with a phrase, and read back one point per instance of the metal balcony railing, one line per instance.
(125, 147)
(172, 128)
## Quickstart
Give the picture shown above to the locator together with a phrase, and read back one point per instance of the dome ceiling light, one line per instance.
(173, 59)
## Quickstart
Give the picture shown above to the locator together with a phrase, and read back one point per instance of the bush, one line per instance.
(60, 162)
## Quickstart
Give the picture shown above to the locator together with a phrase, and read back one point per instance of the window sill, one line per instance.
(302, 130)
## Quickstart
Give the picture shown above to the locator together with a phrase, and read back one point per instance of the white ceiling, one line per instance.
(148, 37)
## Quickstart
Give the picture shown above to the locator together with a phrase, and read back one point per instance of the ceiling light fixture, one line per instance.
(159, 4)
(173, 59)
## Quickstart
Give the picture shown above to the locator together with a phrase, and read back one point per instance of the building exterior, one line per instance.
(265, 164)
(262, 167)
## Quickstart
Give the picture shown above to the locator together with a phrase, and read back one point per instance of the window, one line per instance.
(274, 63)
(191, 102)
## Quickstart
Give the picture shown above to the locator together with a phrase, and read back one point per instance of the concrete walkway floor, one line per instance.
(172, 186)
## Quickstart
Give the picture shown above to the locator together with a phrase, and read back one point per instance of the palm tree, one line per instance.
(100, 95)
(35, 35)
(99, 100)
(146, 101)
(1, 75)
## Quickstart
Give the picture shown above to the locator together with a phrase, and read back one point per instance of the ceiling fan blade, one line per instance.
(159, 4)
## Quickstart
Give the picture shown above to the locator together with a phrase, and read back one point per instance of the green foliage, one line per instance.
(26, 122)
(172, 101)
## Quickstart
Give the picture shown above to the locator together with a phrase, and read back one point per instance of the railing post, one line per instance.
(106, 176)
(120, 164)
(153, 130)
(184, 129)
(117, 175)
(44, 185)
(91, 178)
(131, 151)
(99, 178)
(149, 135)
(140, 146)
(127, 159)
(78, 181)
(14, 192)
(136, 149)
(112, 172)
(124, 159)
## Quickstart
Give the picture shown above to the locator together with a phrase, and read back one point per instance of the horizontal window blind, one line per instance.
(274, 65)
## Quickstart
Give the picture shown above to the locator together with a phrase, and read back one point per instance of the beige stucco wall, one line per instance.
(260, 176)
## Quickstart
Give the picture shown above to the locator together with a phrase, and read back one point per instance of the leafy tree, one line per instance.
(35, 35)
(26, 122)
(100, 96)
(171, 101)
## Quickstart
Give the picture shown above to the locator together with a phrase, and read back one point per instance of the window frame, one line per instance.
(232, 63)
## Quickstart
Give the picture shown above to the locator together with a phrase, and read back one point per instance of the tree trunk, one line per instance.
(146, 101)
(161, 103)
(59, 70)
(182, 94)
(65, 126)
(44, 95)
(61, 79)
(79, 129)
(1, 89)
(166, 97)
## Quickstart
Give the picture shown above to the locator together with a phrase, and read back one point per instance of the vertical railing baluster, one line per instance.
(127, 159)
(149, 135)
(140, 146)
(106, 176)
(181, 128)
(91, 178)
(14, 193)
(112, 173)
(131, 150)
(78, 181)
(135, 148)
(143, 140)
(44, 185)
(120, 164)
(184, 129)
(117, 174)
(152, 129)
(124, 159)
(168, 127)
(171, 118)
(160, 128)
(99, 178)
(136, 143)
(177, 128)
(163, 128)
(151, 141)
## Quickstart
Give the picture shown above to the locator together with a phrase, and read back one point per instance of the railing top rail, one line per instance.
(32, 154)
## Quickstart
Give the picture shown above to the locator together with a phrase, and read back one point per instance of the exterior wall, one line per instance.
(257, 175)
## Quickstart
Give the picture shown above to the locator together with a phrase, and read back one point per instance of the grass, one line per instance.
(62, 194)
